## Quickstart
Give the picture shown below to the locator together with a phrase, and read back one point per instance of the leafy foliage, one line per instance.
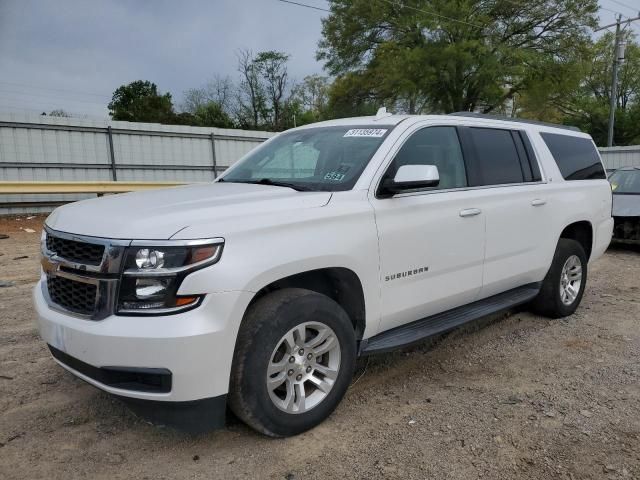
(579, 92)
(212, 114)
(442, 55)
(59, 113)
(526, 58)
(140, 101)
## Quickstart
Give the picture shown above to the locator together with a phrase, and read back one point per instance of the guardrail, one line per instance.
(18, 188)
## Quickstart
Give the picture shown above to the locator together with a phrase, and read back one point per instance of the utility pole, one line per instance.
(613, 101)
(618, 58)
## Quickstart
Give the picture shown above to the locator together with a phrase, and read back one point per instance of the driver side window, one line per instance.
(437, 146)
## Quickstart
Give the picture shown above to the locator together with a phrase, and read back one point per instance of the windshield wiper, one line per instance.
(268, 181)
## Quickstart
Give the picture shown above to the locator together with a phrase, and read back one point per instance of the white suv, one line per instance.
(330, 241)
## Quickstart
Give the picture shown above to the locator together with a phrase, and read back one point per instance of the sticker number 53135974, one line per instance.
(366, 132)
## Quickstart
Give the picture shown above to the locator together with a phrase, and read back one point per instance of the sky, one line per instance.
(72, 54)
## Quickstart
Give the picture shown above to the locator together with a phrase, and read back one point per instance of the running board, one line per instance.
(414, 332)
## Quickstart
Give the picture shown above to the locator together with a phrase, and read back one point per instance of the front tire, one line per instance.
(564, 285)
(294, 360)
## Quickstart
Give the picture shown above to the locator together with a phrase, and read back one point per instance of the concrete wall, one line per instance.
(39, 148)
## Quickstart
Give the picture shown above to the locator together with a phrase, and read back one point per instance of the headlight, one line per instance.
(153, 273)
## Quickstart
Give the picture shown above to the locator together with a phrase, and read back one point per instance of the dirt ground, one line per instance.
(515, 398)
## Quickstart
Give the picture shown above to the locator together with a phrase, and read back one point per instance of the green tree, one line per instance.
(350, 97)
(262, 90)
(212, 115)
(273, 68)
(140, 101)
(59, 113)
(312, 96)
(588, 107)
(579, 92)
(251, 103)
(218, 90)
(182, 118)
(442, 55)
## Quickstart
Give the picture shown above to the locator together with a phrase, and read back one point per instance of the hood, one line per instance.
(626, 205)
(160, 214)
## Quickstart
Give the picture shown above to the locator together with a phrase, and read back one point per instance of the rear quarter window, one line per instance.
(576, 157)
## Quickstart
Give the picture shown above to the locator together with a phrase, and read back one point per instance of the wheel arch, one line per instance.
(582, 232)
(338, 283)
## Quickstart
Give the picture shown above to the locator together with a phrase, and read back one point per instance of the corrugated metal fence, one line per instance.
(39, 148)
(616, 157)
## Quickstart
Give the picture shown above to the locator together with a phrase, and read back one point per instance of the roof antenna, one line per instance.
(382, 113)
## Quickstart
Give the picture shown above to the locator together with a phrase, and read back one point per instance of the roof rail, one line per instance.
(512, 119)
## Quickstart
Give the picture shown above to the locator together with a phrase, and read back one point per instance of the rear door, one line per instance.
(506, 173)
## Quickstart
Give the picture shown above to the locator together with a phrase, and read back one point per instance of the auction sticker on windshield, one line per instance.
(366, 132)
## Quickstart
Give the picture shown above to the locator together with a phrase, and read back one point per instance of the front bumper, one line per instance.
(627, 230)
(196, 346)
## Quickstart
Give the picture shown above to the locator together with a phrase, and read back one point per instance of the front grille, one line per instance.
(79, 252)
(626, 229)
(78, 297)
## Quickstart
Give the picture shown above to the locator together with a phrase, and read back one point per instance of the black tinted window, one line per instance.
(437, 146)
(497, 160)
(577, 158)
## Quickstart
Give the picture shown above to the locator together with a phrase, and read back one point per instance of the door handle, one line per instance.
(470, 212)
(538, 202)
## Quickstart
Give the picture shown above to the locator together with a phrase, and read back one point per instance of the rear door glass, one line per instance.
(577, 157)
(496, 157)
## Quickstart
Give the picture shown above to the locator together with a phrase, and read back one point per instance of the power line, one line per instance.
(600, 7)
(398, 4)
(622, 4)
(313, 7)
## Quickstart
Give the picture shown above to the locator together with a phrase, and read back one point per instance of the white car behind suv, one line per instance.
(329, 241)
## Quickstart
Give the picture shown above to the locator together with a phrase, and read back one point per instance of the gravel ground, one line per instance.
(512, 398)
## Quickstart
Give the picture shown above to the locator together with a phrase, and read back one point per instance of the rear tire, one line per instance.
(563, 287)
(294, 360)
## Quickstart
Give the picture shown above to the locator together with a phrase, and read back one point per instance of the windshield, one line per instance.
(625, 181)
(324, 158)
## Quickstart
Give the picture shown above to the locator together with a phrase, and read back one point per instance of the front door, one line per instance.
(431, 241)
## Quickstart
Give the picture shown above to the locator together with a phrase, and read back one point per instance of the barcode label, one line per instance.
(366, 132)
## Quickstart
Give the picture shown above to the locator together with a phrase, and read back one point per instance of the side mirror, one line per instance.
(411, 177)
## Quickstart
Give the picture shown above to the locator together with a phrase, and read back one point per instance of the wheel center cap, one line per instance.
(300, 363)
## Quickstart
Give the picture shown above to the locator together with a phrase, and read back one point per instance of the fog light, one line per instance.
(151, 287)
(147, 258)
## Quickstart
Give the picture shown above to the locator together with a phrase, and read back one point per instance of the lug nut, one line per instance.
(310, 356)
(301, 351)
(299, 377)
(292, 359)
(290, 372)
(308, 369)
